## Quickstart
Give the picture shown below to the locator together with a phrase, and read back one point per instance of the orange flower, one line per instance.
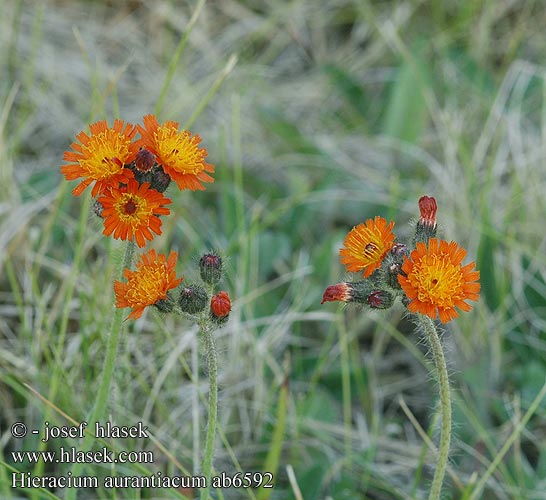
(178, 153)
(101, 157)
(366, 246)
(131, 212)
(435, 280)
(155, 275)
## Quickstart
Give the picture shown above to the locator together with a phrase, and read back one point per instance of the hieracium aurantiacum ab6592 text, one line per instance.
(428, 276)
(128, 176)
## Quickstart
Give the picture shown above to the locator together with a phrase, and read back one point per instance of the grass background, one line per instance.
(317, 115)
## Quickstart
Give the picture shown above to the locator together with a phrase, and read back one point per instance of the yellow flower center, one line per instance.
(132, 209)
(437, 280)
(372, 250)
(147, 286)
(179, 150)
(105, 154)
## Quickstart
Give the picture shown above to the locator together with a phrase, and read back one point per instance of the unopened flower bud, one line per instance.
(391, 276)
(97, 208)
(428, 208)
(210, 267)
(159, 179)
(356, 291)
(380, 299)
(426, 226)
(192, 298)
(144, 160)
(399, 250)
(220, 307)
(340, 292)
(165, 305)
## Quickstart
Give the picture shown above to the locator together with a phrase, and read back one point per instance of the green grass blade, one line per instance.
(406, 113)
(272, 459)
(176, 57)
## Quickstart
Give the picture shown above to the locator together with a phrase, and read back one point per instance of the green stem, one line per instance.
(212, 365)
(98, 411)
(445, 403)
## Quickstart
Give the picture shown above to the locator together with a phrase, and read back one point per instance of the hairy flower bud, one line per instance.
(97, 208)
(355, 291)
(165, 305)
(399, 250)
(340, 292)
(426, 226)
(159, 179)
(210, 267)
(380, 299)
(144, 160)
(220, 307)
(428, 208)
(192, 298)
(142, 166)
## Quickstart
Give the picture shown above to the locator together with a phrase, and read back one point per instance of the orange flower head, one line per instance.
(131, 212)
(178, 152)
(155, 275)
(366, 246)
(101, 157)
(434, 280)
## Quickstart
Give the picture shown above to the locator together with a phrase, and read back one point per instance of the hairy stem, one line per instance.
(212, 365)
(442, 378)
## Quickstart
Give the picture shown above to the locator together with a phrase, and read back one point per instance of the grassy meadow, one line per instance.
(317, 114)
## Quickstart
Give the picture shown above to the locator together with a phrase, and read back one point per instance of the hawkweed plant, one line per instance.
(431, 282)
(128, 176)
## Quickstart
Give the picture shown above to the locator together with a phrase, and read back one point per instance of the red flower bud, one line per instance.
(340, 292)
(428, 208)
(144, 160)
(220, 305)
(426, 226)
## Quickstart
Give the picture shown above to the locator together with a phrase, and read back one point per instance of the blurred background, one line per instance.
(317, 114)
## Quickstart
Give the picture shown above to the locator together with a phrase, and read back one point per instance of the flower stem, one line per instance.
(206, 333)
(445, 403)
(98, 410)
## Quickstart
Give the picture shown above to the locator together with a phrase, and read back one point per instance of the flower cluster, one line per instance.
(430, 278)
(129, 174)
(154, 283)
